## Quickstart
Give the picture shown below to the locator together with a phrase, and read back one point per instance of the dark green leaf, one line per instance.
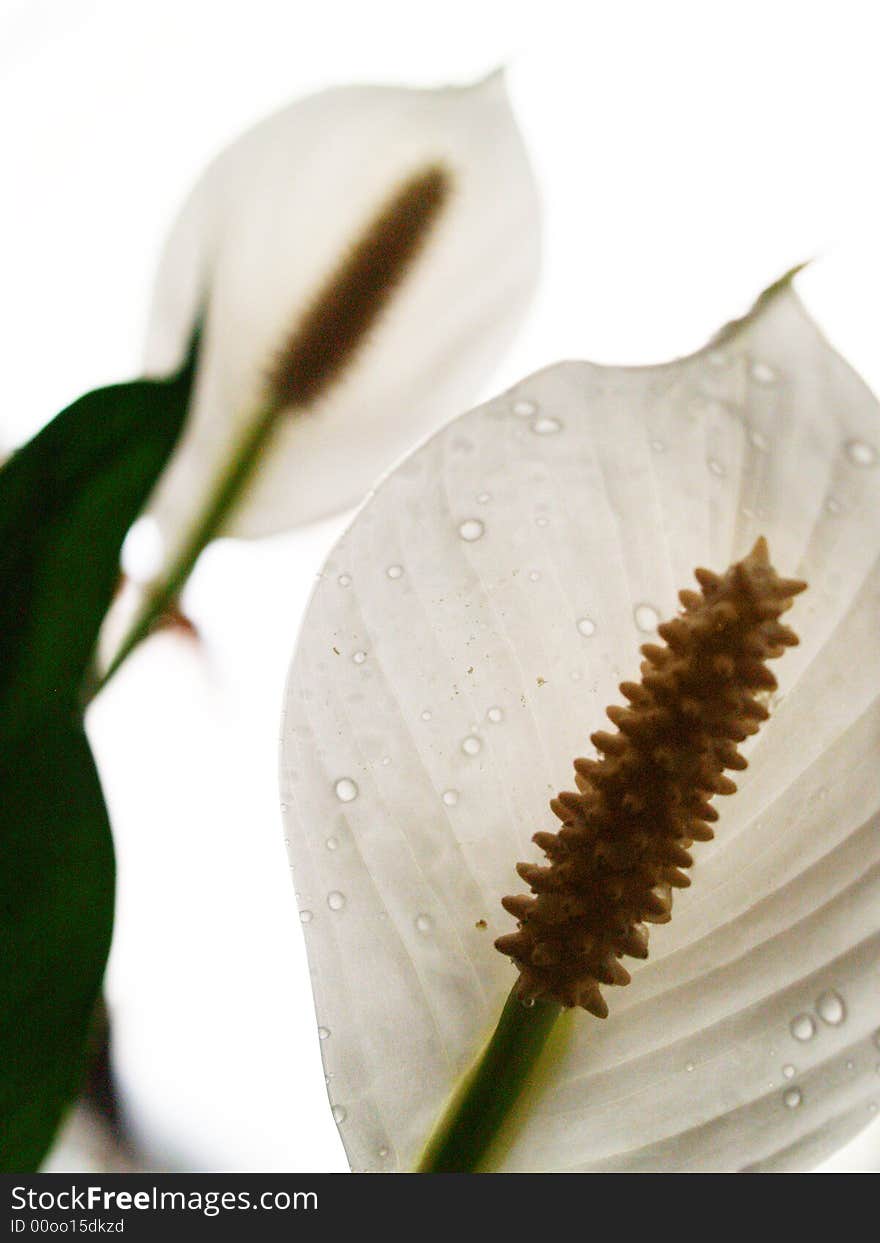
(67, 500)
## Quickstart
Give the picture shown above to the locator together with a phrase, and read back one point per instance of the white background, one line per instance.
(687, 155)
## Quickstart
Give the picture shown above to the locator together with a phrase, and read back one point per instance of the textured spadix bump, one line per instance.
(626, 833)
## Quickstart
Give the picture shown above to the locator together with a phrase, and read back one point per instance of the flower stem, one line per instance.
(466, 1132)
(226, 494)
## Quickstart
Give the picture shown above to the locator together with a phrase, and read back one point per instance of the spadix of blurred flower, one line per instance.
(438, 178)
(486, 604)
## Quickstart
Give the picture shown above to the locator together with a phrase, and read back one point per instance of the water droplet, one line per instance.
(792, 1097)
(332, 843)
(395, 571)
(426, 715)
(359, 657)
(689, 1068)
(758, 440)
(450, 797)
(344, 580)
(850, 1065)
(472, 745)
(833, 506)
(534, 576)
(546, 426)
(586, 626)
(789, 1071)
(647, 617)
(524, 408)
(383, 1153)
(424, 923)
(528, 1002)
(386, 760)
(831, 1009)
(471, 529)
(802, 1027)
(715, 467)
(305, 917)
(658, 446)
(339, 1114)
(336, 900)
(323, 1033)
(763, 374)
(484, 498)
(495, 715)
(346, 790)
(861, 454)
(542, 521)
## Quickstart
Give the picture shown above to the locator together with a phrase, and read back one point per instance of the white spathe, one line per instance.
(485, 604)
(263, 230)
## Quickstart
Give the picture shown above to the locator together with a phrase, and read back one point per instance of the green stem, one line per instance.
(209, 524)
(475, 1117)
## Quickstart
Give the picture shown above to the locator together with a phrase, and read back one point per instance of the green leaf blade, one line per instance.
(67, 500)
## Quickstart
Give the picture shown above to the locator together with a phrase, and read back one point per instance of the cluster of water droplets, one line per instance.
(831, 1011)
(541, 424)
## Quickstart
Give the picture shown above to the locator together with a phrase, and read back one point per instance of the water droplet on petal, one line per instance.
(323, 1033)
(472, 745)
(484, 498)
(831, 1009)
(802, 1027)
(534, 576)
(450, 797)
(336, 900)
(332, 843)
(763, 374)
(383, 1153)
(305, 917)
(658, 446)
(861, 454)
(424, 923)
(833, 506)
(395, 571)
(495, 715)
(524, 408)
(586, 626)
(346, 790)
(386, 760)
(789, 1072)
(546, 426)
(647, 617)
(359, 657)
(850, 1065)
(792, 1097)
(426, 715)
(758, 440)
(689, 1068)
(339, 1114)
(471, 529)
(715, 467)
(344, 580)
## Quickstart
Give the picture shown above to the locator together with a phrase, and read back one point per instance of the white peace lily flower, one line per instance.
(265, 230)
(485, 604)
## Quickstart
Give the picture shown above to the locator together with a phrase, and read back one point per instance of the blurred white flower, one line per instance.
(263, 233)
